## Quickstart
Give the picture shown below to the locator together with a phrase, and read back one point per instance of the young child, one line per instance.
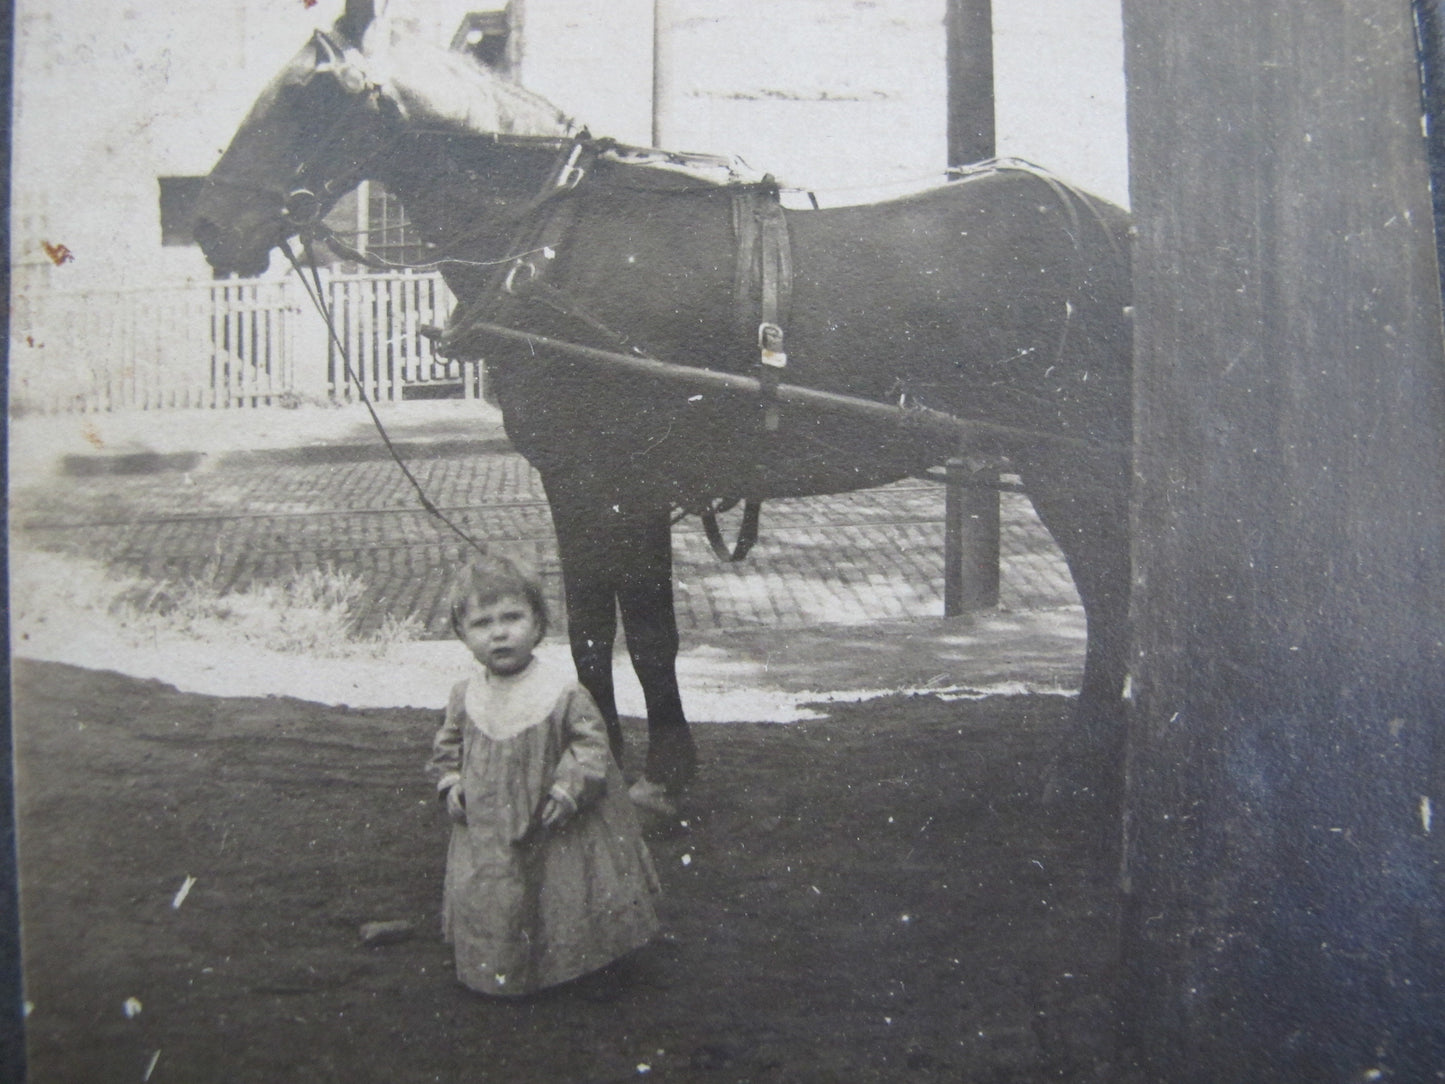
(547, 875)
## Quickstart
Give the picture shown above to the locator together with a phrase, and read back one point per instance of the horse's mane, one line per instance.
(450, 89)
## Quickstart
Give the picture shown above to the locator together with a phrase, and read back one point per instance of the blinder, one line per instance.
(340, 62)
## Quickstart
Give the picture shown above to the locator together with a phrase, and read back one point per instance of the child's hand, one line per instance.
(456, 805)
(557, 811)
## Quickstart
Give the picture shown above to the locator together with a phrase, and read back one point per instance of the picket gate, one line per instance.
(379, 320)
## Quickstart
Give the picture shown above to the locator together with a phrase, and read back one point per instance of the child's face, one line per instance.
(501, 634)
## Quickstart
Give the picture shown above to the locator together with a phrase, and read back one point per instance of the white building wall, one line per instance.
(819, 93)
(593, 60)
(109, 97)
(1059, 90)
(833, 94)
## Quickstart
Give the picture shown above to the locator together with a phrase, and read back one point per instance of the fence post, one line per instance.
(309, 343)
(970, 537)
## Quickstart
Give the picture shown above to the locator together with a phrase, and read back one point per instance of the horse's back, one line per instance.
(1002, 295)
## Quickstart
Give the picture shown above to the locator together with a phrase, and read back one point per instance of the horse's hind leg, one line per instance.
(650, 621)
(1083, 501)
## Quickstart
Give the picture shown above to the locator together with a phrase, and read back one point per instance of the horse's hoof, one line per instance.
(671, 757)
(646, 794)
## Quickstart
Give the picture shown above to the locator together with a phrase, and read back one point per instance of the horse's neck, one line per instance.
(468, 194)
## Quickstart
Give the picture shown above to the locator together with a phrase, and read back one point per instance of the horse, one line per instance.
(997, 299)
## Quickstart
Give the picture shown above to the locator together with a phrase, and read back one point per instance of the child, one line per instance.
(547, 876)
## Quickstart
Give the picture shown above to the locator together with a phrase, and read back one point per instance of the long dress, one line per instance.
(526, 906)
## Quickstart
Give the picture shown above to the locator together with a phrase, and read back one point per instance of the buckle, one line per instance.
(770, 346)
(571, 174)
(513, 284)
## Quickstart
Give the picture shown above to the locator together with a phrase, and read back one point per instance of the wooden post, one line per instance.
(309, 344)
(971, 512)
(970, 539)
(969, 24)
(1283, 909)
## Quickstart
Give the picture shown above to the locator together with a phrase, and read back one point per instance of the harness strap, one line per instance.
(525, 272)
(777, 270)
(763, 270)
(747, 532)
(545, 221)
(547, 217)
(764, 265)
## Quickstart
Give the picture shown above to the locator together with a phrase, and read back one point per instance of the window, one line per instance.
(371, 220)
(389, 233)
(178, 209)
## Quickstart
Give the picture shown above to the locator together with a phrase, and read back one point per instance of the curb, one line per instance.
(130, 463)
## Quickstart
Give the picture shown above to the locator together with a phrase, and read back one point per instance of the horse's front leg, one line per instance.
(645, 598)
(585, 552)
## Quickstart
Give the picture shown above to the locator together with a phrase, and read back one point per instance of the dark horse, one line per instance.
(999, 298)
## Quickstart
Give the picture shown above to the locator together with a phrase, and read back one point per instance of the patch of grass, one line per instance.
(308, 613)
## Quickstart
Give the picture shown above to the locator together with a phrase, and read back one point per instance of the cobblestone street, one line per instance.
(255, 516)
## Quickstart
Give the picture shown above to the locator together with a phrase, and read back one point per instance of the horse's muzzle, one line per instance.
(224, 256)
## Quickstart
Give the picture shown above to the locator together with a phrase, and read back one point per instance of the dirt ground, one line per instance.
(879, 896)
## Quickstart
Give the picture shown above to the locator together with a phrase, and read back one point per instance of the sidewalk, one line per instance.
(841, 598)
(133, 442)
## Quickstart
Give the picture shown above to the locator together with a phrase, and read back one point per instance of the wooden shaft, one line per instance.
(913, 417)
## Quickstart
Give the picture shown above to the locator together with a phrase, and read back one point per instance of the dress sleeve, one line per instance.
(445, 766)
(581, 775)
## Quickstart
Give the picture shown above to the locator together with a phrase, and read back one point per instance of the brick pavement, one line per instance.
(845, 559)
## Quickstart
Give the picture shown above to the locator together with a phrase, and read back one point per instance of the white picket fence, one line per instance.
(228, 344)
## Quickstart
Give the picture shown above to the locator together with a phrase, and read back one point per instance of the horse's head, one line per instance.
(324, 123)
(307, 136)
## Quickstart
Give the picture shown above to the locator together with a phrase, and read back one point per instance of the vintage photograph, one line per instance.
(707, 540)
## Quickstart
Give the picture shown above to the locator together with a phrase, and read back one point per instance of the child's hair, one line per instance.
(490, 578)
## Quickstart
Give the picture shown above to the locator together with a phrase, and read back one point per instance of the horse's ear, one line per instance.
(354, 21)
(328, 55)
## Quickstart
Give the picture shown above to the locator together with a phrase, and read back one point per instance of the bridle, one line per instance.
(303, 202)
(541, 223)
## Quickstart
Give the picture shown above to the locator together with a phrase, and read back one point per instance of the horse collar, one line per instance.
(548, 218)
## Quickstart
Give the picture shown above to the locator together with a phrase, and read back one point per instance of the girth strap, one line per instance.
(764, 266)
(764, 270)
